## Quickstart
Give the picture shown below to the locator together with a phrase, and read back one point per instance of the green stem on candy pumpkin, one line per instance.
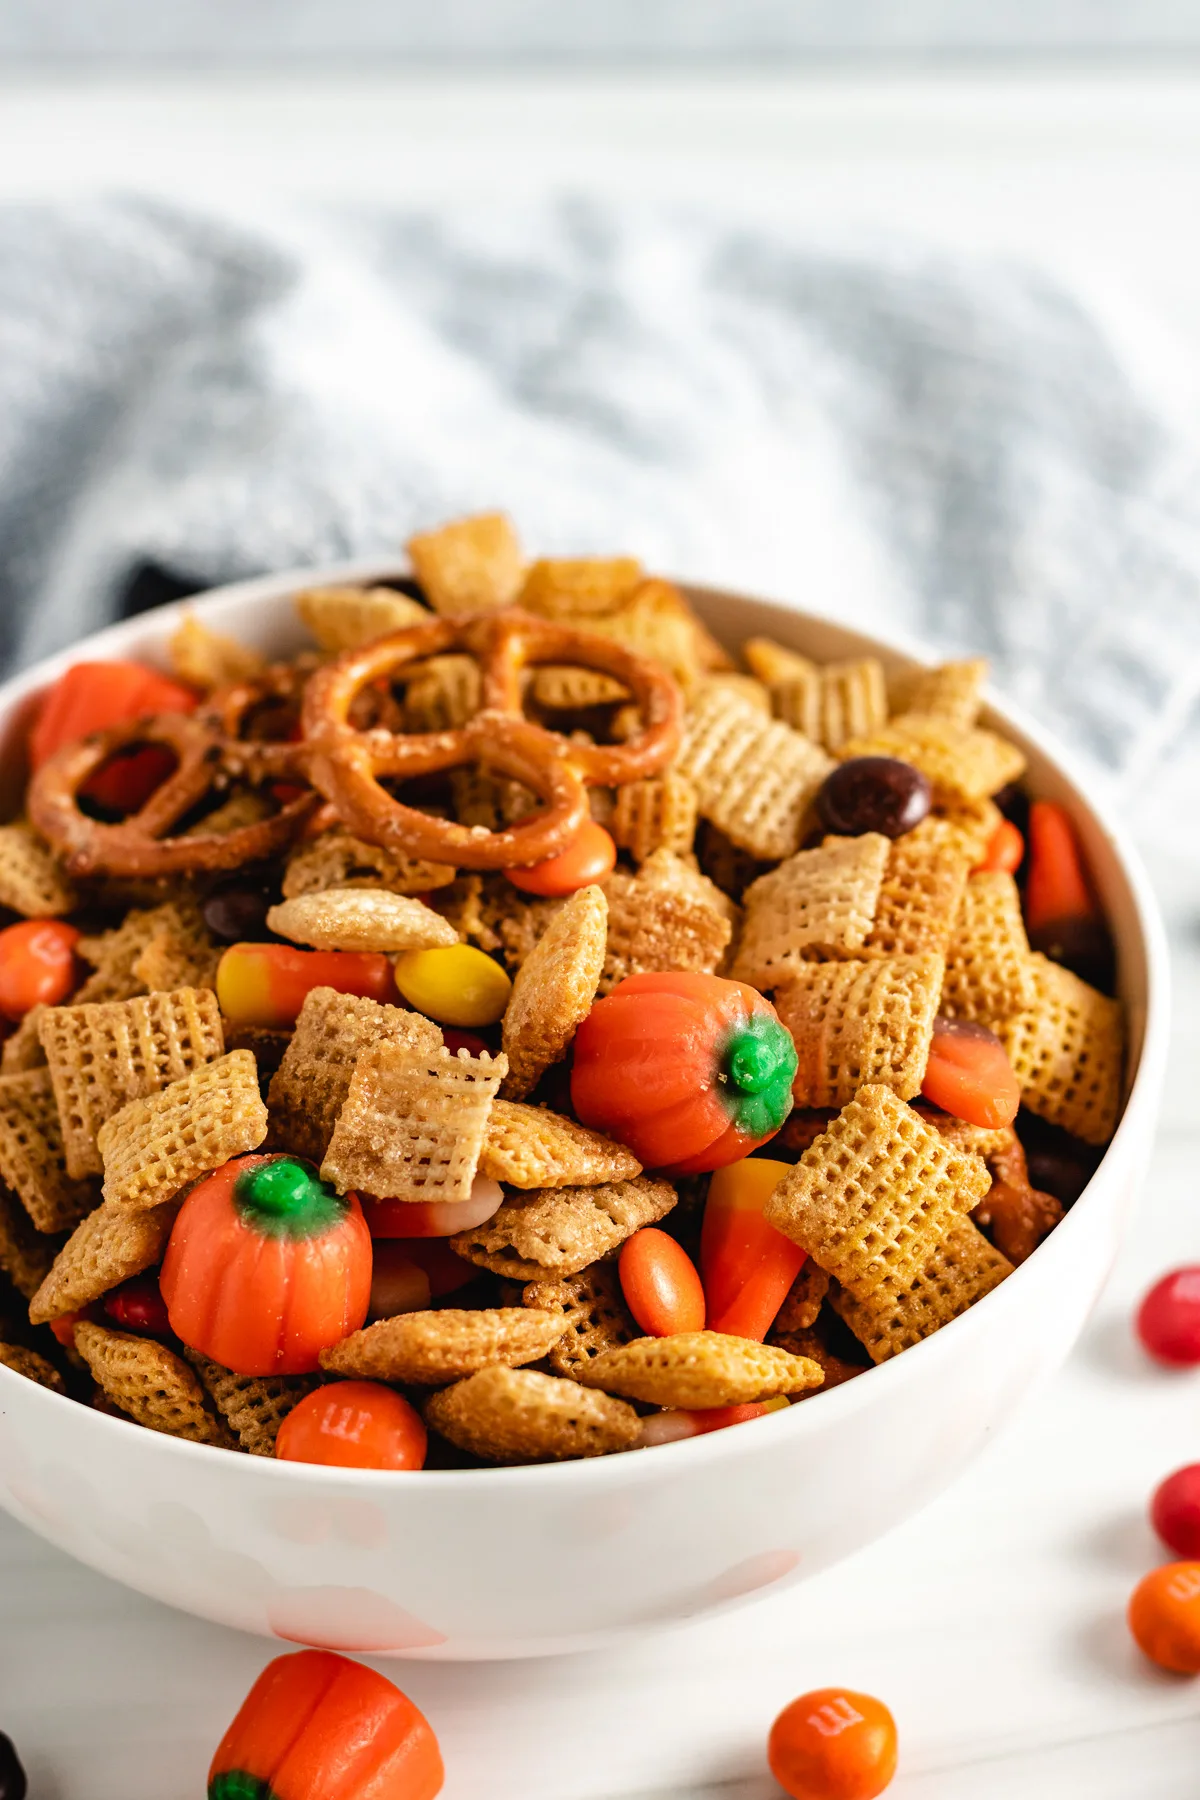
(758, 1066)
(235, 1784)
(285, 1197)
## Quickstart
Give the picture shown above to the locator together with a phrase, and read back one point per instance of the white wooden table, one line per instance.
(993, 1623)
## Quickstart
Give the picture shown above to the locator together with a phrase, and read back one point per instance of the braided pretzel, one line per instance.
(349, 766)
(207, 757)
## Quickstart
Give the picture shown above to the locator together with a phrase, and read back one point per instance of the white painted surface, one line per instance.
(991, 1624)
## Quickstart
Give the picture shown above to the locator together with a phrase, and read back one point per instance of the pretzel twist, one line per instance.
(349, 766)
(207, 758)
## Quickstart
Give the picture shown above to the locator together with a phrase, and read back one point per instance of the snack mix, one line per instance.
(392, 1032)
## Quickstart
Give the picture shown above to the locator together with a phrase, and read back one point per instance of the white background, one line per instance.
(992, 1624)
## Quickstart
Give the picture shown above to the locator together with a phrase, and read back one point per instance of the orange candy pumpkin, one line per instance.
(316, 1726)
(689, 1071)
(267, 1266)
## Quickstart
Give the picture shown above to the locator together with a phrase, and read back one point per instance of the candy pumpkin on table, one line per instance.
(689, 1071)
(267, 1266)
(316, 1726)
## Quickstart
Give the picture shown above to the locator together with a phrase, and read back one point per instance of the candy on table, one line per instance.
(316, 1723)
(748, 1266)
(1164, 1617)
(1175, 1511)
(590, 856)
(138, 1305)
(38, 966)
(266, 1266)
(1168, 1319)
(456, 985)
(353, 1425)
(660, 1283)
(873, 794)
(266, 984)
(833, 1744)
(689, 1070)
(969, 1075)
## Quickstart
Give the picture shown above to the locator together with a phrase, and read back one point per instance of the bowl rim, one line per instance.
(600, 1472)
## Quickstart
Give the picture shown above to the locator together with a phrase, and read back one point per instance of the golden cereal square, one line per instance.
(26, 1254)
(413, 1123)
(207, 659)
(876, 1192)
(559, 1231)
(963, 762)
(700, 1369)
(530, 1147)
(442, 693)
(428, 1349)
(579, 588)
(112, 1244)
(360, 919)
(754, 778)
(818, 903)
(1067, 1053)
(336, 859)
(853, 700)
(469, 566)
(522, 1416)
(553, 989)
(952, 690)
(156, 1145)
(342, 618)
(32, 881)
(101, 1056)
(989, 974)
(658, 813)
(150, 1383)
(921, 892)
(856, 1024)
(667, 916)
(309, 1088)
(961, 1269)
(253, 1406)
(33, 1159)
(592, 1308)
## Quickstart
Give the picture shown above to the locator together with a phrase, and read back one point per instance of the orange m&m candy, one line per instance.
(833, 1744)
(1164, 1617)
(590, 856)
(660, 1284)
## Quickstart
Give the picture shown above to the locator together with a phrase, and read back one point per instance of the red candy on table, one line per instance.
(590, 856)
(267, 1266)
(433, 1218)
(661, 1286)
(316, 1726)
(747, 1265)
(353, 1425)
(37, 965)
(833, 1744)
(1168, 1320)
(969, 1075)
(266, 984)
(1164, 1617)
(688, 1071)
(1175, 1511)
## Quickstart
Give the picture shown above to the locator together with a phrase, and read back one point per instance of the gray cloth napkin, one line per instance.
(958, 448)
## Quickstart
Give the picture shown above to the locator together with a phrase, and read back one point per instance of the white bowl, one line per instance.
(513, 1562)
